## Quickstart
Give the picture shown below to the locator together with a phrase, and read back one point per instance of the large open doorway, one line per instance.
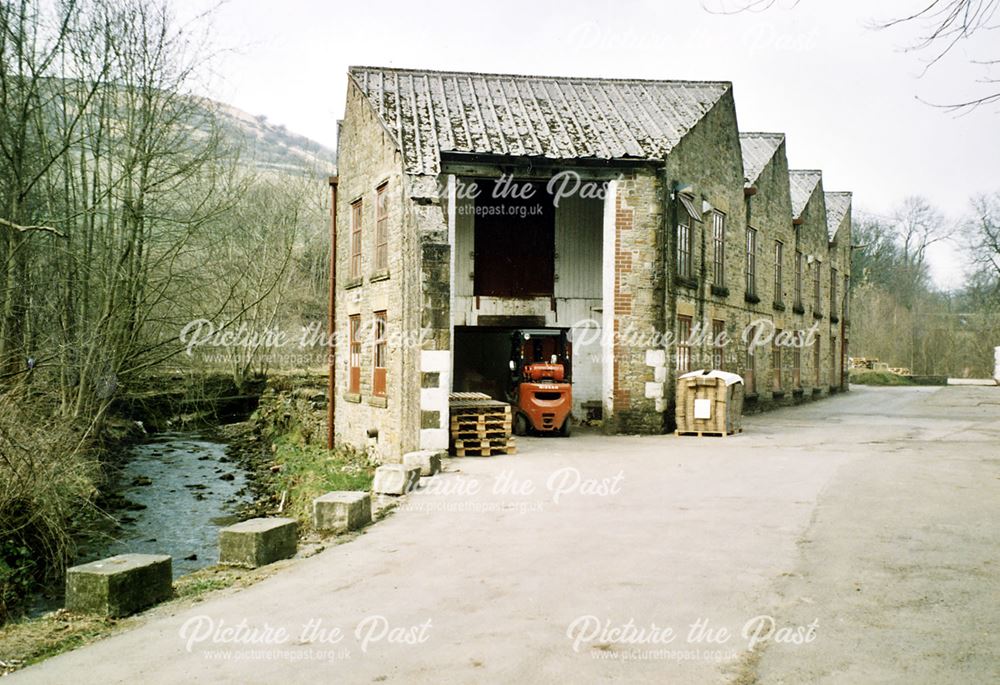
(528, 263)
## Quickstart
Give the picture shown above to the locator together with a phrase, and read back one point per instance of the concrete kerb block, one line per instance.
(656, 357)
(341, 511)
(395, 479)
(258, 542)
(428, 461)
(119, 585)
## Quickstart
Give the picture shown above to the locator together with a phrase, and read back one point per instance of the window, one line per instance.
(356, 239)
(718, 343)
(354, 354)
(798, 279)
(719, 249)
(379, 354)
(779, 254)
(797, 361)
(847, 297)
(684, 248)
(381, 228)
(749, 375)
(834, 358)
(834, 309)
(816, 361)
(751, 261)
(817, 303)
(776, 361)
(683, 344)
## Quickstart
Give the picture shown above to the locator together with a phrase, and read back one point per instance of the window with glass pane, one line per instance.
(381, 228)
(356, 240)
(751, 261)
(833, 293)
(719, 249)
(683, 343)
(379, 354)
(779, 258)
(776, 360)
(684, 248)
(354, 354)
(718, 341)
(798, 278)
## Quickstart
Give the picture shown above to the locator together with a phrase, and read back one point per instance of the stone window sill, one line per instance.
(777, 394)
(380, 275)
(685, 282)
(750, 397)
(720, 291)
(799, 309)
(378, 401)
(817, 315)
(778, 306)
(817, 391)
(751, 298)
(353, 283)
(352, 397)
(834, 319)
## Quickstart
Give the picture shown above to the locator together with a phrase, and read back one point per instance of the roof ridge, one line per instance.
(599, 79)
(774, 134)
(805, 171)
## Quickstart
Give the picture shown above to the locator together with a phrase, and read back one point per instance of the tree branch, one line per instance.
(29, 229)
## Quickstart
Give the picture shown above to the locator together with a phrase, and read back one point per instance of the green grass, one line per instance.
(879, 378)
(306, 472)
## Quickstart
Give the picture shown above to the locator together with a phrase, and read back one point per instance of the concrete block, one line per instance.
(654, 390)
(258, 542)
(395, 479)
(660, 374)
(341, 511)
(656, 357)
(119, 585)
(428, 461)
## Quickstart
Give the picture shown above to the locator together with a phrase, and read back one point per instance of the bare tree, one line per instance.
(945, 25)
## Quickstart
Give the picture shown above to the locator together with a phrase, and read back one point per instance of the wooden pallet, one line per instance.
(458, 396)
(480, 434)
(480, 422)
(708, 434)
(484, 451)
(479, 407)
(484, 448)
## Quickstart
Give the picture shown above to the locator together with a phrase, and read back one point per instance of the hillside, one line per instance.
(273, 147)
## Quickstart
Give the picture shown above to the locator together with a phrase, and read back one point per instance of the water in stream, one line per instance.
(189, 492)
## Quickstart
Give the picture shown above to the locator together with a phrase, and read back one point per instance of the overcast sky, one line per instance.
(845, 95)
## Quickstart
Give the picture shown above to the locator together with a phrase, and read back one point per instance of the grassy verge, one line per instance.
(31, 640)
(298, 474)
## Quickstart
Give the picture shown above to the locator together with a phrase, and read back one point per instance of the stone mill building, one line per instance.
(664, 237)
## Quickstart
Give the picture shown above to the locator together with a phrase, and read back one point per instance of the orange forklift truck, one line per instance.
(540, 381)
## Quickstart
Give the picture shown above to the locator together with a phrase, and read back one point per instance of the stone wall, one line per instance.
(368, 158)
(637, 395)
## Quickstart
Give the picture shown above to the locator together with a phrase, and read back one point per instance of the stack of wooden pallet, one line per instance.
(480, 425)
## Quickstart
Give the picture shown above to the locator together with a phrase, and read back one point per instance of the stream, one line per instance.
(188, 490)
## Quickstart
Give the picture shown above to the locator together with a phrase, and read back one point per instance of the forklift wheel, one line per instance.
(565, 430)
(520, 424)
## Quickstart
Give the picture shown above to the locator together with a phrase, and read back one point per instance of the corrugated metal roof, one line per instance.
(802, 183)
(758, 149)
(838, 204)
(431, 112)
